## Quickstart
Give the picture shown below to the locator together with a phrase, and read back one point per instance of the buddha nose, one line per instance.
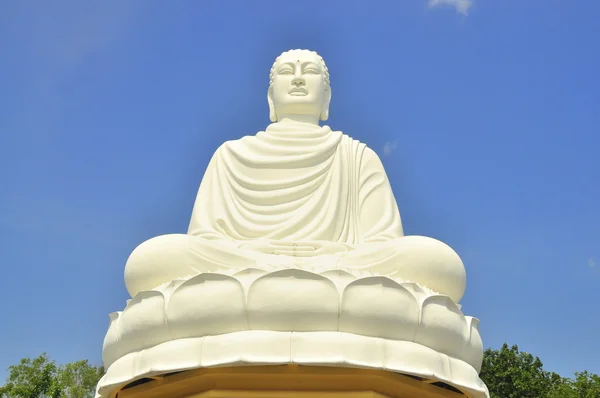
(298, 81)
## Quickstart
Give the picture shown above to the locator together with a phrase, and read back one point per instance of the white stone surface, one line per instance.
(219, 319)
(293, 300)
(295, 252)
(296, 194)
(260, 347)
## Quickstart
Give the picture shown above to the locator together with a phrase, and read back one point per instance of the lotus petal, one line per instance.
(207, 304)
(142, 323)
(110, 348)
(473, 353)
(340, 278)
(248, 276)
(443, 327)
(293, 300)
(416, 291)
(379, 307)
(171, 287)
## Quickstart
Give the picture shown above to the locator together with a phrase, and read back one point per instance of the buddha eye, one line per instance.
(311, 71)
(286, 71)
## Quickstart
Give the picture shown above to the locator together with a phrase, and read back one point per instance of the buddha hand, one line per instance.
(309, 248)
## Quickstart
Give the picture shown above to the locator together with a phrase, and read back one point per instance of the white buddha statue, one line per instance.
(296, 194)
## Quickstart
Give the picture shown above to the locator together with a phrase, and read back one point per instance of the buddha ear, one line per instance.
(325, 110)
(272, 114)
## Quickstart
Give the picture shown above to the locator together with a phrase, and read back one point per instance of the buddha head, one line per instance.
(299, 86)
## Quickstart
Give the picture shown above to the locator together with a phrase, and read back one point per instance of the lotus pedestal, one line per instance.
(222, 329)
(286, 381)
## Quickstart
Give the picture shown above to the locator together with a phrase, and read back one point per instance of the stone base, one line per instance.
(285, 381)
(305, 349)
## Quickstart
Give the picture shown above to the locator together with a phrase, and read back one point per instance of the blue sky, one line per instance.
(485, 114)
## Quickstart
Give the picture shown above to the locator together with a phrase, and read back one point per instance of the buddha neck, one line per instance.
(308, 119)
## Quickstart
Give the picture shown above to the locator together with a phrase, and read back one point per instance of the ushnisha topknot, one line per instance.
(323, 65)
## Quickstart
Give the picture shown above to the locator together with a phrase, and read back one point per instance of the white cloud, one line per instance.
(592, 263)
(389, 147)
(461, 6)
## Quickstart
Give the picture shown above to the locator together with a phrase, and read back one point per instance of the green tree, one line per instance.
(42, 378)
(510, 373)
(79, 379)
(32, 378)
(585, 385)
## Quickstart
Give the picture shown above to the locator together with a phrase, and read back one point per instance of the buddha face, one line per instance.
(299, 86)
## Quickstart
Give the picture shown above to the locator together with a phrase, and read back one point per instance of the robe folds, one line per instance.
(296, 195)
(296, 182)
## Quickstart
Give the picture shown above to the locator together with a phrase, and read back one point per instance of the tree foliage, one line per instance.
(79, 379)
(42, 378)
(510, 373)
(585, 385)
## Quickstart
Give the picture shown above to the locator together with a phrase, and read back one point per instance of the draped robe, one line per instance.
(296, 182)
(303, 185)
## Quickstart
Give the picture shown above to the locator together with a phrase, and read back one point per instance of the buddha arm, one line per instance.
(379, 216)
(206, 206)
